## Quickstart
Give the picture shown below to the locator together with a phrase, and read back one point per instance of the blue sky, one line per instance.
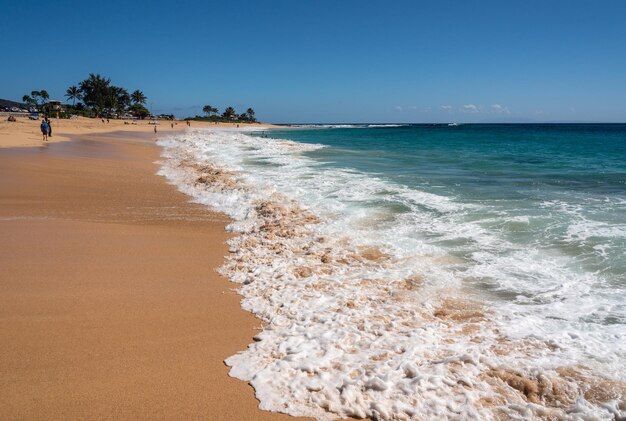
(331, 61)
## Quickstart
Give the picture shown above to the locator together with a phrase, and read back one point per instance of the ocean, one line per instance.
(424, 271)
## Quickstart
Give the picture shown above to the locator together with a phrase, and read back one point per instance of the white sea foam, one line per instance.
(346, 126)
(385, 125)
(370, 291)
(232, 129)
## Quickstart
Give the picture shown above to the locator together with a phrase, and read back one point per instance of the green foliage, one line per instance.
(73, 93)
(37, 98)
(78, 109)
(138, 97)
(119, 99)
(229, 113)
(95, 91)
(218, 119)
(209, 110)
(105, 99)
(251, 115)
(139, 110)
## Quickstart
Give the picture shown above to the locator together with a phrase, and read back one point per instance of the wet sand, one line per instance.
(110, 306)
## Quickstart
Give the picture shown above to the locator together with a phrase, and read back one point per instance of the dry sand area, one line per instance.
(25, 132)
(110, 307)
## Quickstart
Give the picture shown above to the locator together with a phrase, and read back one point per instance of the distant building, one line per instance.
(54, 107)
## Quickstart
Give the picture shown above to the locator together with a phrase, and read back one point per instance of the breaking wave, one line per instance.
(366, 288)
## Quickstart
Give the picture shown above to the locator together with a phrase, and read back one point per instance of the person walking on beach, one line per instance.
(155, 129)
(44, 130)
(49, 127)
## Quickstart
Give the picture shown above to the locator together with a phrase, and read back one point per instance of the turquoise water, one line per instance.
(557, 189)
(398, 267)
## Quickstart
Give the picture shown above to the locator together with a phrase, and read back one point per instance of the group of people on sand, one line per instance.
(46, 129)
(172, 124)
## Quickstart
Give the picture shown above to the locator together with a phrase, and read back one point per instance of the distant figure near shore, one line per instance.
(49, 126)
(44, 130)
(155, 129)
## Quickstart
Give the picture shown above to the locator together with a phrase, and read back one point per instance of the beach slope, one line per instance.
(110, 306)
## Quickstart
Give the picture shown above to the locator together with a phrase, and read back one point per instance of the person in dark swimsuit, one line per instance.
(49, 127)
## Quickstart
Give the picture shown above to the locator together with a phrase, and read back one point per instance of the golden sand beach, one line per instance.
(110, 306)
(25, 132)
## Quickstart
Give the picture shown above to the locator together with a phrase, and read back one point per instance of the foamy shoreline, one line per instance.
(343, 337)
(109, 302)
(354, 327)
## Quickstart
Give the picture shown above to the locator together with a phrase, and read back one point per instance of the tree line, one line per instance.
(229, 114)
(96, 96)
(37, 99)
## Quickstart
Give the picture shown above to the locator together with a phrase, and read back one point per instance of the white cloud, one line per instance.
(397, 108)
(499, 109)
(470, 108)
(446, 107)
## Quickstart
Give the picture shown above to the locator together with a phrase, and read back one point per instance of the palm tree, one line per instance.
(72, 93)
(139, 111)
(95, 92)
(209, 110)
(229, 113)
(118, 99)
(251, 116)
(138, 97)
